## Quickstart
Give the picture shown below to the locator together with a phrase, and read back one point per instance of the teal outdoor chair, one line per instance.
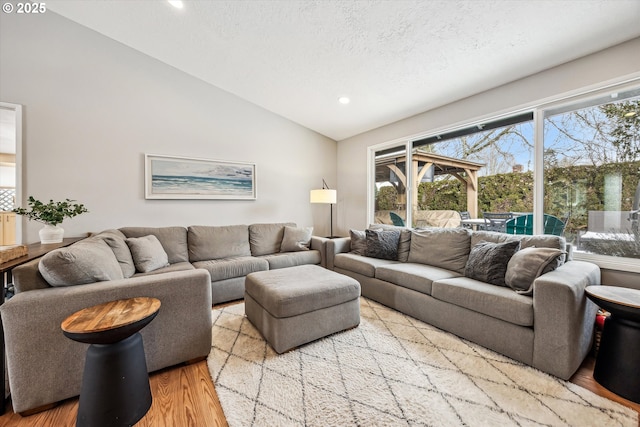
(396, 219)
(523, 224)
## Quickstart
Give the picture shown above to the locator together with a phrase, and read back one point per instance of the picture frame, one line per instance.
(174, 177)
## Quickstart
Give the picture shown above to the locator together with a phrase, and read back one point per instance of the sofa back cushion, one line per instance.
(446, 248)
(172, 239)
(116, 241)
(87, 261)
(526, 241)
(266, 239)
(217, 242)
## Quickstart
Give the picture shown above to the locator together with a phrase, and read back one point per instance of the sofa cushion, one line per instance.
(446, 248)
(530, 263)
(488, 261)
(87, 261)
(382, 244)
(418, 277)
(358, 241)
(359, 264)
(173, 240)
(147, 253)
(265, 239)
(296, 239)
(179, 266)
(291, 259)
(495, 301)
(218, 242)
(229, 268)
(116, 241)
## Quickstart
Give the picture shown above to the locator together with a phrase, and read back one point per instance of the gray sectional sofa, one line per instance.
(441, 276)
(187, 269)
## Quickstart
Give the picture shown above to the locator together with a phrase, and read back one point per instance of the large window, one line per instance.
(592, 172)
(570, 168)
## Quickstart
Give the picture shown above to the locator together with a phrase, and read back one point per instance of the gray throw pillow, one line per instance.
(358, 242)
(296, 239)
(147, 253)
(488, 261)
(404, 245)
(528, 264)
(382, 244)
(88, 261)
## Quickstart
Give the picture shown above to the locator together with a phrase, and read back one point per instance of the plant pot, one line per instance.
(51, 234)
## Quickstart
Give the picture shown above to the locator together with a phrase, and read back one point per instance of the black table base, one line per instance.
(618, 363)
(115, 384)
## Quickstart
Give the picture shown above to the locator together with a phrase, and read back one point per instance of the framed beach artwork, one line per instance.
(170, 177)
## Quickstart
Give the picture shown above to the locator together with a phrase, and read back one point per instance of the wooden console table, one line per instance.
(34, 250)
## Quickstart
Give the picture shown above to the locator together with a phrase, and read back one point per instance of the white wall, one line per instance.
(616, 63)
(93, 107)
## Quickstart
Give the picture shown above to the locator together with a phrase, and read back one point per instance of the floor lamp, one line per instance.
(325, 195)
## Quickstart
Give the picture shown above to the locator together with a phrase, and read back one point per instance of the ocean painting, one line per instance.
(189, 178)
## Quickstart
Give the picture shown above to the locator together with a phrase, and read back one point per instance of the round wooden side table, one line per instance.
(115, 384)
(617, 367)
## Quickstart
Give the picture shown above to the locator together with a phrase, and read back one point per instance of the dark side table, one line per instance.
(618, 361)
(115, 384)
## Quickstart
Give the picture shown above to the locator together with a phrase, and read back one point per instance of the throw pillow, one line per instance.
(88, 261)
(358, 242)
(147, 253)
(296, 239)
(488, 261)
(404, 245)
(528, 264)
(382, 244)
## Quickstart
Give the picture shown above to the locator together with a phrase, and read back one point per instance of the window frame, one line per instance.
(539, 110)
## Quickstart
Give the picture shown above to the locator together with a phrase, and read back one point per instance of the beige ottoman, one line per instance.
(296, 305)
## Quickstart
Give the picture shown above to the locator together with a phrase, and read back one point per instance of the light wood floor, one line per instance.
(184, 396)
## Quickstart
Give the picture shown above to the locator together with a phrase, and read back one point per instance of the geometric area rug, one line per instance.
(391, 370)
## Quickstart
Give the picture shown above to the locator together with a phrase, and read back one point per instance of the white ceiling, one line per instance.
(393, 58)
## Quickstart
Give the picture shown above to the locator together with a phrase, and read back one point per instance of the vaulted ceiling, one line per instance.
(393, 59)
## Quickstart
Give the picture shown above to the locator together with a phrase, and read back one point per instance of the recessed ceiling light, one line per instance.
(344, 100)
(178, 4)
(631, 114)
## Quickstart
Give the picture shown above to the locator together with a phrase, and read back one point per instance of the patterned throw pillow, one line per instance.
(488, 261)
(382, 244)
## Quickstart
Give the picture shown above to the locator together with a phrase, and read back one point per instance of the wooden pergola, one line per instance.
(463, 170)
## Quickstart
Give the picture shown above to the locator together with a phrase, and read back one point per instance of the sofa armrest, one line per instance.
(563, 317)
(319, 244)
(44, 366)
(336, 246)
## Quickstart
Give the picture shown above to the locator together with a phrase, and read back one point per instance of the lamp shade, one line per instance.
(323, 196)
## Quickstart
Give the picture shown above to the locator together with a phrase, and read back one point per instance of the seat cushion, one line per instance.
(229, 268)
(360, 264)
(179, 266)
(417, 277)
(293, 291)
(292, 259)
(495, 301)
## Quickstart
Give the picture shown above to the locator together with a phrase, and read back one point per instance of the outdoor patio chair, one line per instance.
(465, 215)
(496, 221)
(396, 219)
(523, 224)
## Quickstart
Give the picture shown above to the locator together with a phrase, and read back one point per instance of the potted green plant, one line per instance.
(51, 214)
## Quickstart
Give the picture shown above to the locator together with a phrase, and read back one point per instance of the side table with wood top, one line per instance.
(617, 364)
(115, 384)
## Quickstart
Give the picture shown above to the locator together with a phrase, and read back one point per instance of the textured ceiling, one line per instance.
(394, 59)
